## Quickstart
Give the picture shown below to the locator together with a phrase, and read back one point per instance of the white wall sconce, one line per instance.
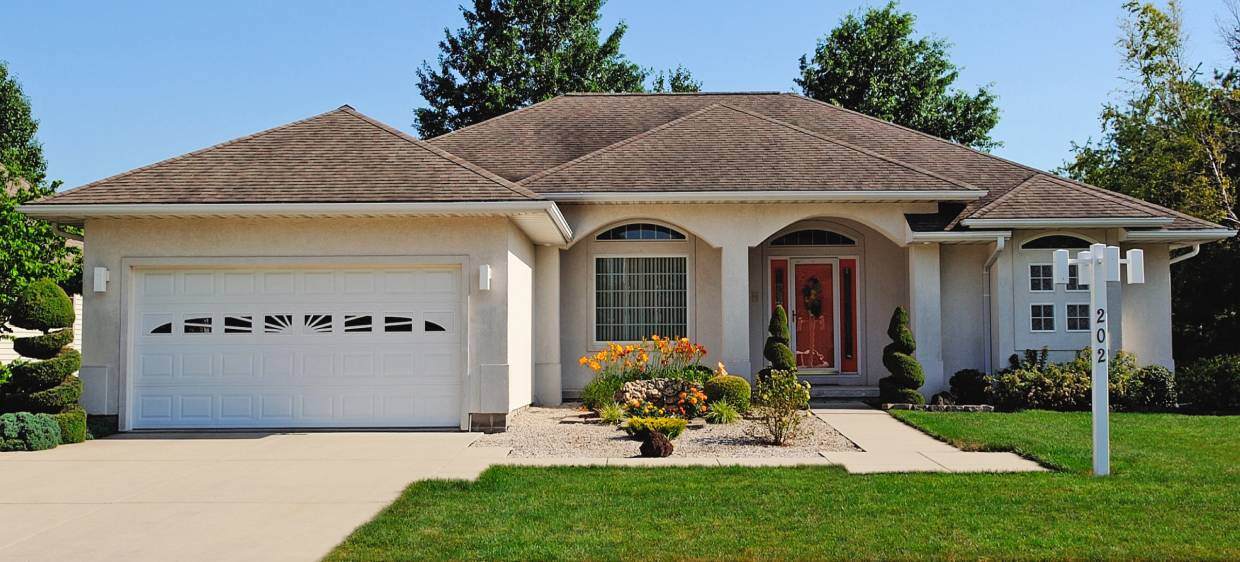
(101, 279)
(484, 277)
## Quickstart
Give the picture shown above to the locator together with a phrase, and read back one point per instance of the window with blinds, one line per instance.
(640, 296)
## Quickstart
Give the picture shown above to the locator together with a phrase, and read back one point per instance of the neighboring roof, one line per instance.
(339, 156)
(544, 137)
(721, 148)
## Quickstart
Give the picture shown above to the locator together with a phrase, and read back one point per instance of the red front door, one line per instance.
(813, 302)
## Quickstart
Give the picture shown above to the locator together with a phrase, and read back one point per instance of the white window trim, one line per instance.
(690, 293)
(1029, 278)
(1053, 320)
(1078, 282)
(1066, 316)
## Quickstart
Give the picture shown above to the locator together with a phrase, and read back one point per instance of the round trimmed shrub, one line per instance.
(969, 386)
(729, 388)
(1210, 384)
(40, 375)
(906, 374)
(42, 305)
(24, 431)
(45, 346)
(1150, 388)
(72, 423)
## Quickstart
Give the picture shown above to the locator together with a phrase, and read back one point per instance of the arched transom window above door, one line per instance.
(640, 231)
(1056, 242)
(813, 237)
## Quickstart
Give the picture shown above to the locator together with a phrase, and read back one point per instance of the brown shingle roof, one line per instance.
(338, 156)
(538, 138)
(721, 147)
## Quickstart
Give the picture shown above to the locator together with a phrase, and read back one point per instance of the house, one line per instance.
(338, 272)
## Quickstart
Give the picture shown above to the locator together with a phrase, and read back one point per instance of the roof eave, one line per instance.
(540, 220)
(762, 196)
(1204, 235)
(1089, 222)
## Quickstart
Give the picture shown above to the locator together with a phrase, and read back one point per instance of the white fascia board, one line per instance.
(1101, 222)
(79, 212)
(761, 196)
(1205, 234)
(960, 237)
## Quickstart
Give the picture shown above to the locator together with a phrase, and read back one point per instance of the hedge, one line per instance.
(72, 423)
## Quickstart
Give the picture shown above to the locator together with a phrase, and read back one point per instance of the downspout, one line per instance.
(1000, 242)
(65, 234)
(1187, 256)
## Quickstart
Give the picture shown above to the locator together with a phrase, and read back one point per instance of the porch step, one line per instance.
(833, 391)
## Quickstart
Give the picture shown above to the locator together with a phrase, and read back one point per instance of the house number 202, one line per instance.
(1101, 334)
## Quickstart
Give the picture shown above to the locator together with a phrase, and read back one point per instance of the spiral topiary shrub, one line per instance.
(906, 375)
(48, 386)
(777, 350)
(731, 389)
(24, 431)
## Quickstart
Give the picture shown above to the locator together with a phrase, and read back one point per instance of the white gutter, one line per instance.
(761, 196)
(964, 237)
(1078, 223)
(1186, 256)
(63, 212)
(1000, 243)
(1174, 235)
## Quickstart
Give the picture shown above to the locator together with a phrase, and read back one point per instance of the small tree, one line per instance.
(47, 385)
(777, 350)
(906, 374)
(778, 406)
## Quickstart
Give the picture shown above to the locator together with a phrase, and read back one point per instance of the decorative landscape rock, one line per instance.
(660, 392)
(656, 445)
(941, 407)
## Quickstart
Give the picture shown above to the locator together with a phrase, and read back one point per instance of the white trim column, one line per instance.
(548, 389)
(734, 285)
(925, 313)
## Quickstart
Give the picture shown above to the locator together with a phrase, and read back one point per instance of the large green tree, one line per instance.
(873, 63)
(513, 53)
(1171, 138)
(29, 249)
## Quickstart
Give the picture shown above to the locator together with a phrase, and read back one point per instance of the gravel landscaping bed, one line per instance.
(538, 432)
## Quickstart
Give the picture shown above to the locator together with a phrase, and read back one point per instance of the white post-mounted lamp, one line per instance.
(1099, 265)
(484, 277)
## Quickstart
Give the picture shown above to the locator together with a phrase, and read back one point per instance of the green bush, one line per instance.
(1052, 388)
(1152, 389)
(56, 399)
(601, 390)
(32, 376)
(611, 413)
(72, 423)
(671, 428)
(906, 376)
(722, 412)
(24, 431)
(778, 403)
(969, 387)
(776, 350)
(45, 346)
(1210, 384)
(42, 305)
(731, 389)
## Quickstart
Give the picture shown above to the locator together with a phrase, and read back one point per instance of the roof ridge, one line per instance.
(740, 93)
(1126, 199)
(854, 147)
(493, 119)
(1000, 199)
(471, 167)
(613, 146)
(343, 108)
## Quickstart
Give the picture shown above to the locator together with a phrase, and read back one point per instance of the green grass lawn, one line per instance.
(1175, 494)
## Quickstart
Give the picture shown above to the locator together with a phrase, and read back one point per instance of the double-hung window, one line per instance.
(1041, 278)
(1042, 317)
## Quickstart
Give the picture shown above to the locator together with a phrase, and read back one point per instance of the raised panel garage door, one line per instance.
(296, 347)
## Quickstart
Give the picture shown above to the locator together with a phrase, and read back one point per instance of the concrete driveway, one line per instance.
(217, 496)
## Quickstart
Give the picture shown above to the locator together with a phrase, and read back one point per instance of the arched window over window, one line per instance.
(641, 231)
(1056, 242)
(813, 238)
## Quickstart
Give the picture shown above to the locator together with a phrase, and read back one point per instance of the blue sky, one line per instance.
(118, 85)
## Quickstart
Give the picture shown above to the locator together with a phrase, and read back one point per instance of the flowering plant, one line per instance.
(655, 357)
(688, 404)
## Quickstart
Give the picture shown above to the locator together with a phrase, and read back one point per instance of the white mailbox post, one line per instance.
(1100, 265)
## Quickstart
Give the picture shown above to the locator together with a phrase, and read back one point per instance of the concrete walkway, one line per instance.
(889, 445)
(218, 496)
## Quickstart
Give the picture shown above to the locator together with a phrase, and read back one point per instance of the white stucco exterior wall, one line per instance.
(548, 380)
(1147, 309)
(520, 319)
(963, 329)
(474, 241)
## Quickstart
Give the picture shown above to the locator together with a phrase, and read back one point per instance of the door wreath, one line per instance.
(811, 295)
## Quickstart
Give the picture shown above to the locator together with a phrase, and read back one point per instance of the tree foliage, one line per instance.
(513, 53)
(29, 249)
(872, 63)
(1172, 139)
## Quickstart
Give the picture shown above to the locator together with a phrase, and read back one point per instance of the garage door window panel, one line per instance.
(318, 323)
(238, 324)
(355, 323)
(197, 324)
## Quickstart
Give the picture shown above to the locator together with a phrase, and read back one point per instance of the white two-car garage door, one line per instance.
(296, 347)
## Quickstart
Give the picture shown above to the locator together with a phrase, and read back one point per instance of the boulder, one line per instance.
(656, 445)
